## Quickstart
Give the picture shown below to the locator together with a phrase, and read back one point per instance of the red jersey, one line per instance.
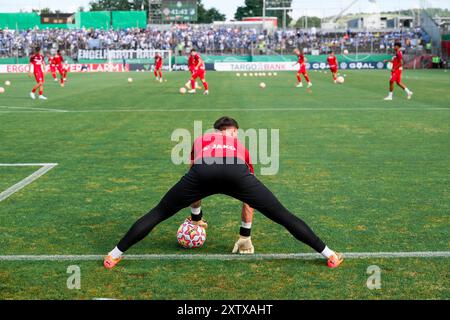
(195, 60)
(301, 59)
(397, 61)
(58, 60)
(37, 60)
(51, 61)
(332, 61)
(217, 145)
(158, 61)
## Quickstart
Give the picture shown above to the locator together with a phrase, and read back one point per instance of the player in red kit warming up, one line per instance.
(199, 72)
(52, 65)
(302, 71)
(333, 63)
(37, 64)
(191, 67)
(58, 61)
(396, 75)
(158, 67)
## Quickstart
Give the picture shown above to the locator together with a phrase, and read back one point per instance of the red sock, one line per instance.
(160, 74)
(155, 73)
(34, 90)
(54, 75)
(193, 84)
(306, 77)
(62, 80)
(41, 92)
(299, 78)
(205, 84)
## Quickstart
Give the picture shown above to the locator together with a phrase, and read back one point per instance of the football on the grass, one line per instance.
(190, 235)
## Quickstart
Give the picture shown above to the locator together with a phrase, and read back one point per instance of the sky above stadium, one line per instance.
(319, 8)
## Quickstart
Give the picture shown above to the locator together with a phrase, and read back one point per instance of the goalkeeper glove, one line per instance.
(244, 246)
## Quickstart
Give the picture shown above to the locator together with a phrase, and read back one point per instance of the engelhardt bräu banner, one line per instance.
(116, 54)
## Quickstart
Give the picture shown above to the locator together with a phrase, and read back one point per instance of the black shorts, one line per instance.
(219, 176)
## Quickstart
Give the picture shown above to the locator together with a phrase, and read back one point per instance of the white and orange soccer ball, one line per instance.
(7, 83)
(262, 85)
(346, 52)
(130, 80)
(190, 235)
(2, 90)
(183, 90)
(340, 80)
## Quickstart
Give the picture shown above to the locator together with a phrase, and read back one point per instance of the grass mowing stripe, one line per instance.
(260, 256)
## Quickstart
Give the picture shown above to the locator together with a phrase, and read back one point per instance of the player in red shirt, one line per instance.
(158, 67)
(59, 60)
(198, 72)
(52, 65)
(302, 71)
(191, 67)
(396, 73)
(221, 165)
(333, 63)
(65, 69)
(37, 64)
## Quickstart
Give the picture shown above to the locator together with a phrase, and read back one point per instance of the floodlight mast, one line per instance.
(340, 14)
(264, 12)
(283, 8)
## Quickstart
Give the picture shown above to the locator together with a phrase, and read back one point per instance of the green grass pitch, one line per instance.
(365, 174)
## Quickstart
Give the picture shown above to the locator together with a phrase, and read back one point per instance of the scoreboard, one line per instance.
(179, 10)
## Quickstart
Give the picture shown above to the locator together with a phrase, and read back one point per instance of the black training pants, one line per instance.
(234, 180)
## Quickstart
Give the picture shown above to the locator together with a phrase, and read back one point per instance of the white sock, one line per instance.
(196, 211)
(391, 94)
(327, 252)
(407, 91)
(116, 253)
(246, 225)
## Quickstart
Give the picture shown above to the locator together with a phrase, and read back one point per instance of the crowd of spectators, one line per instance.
(207, 39)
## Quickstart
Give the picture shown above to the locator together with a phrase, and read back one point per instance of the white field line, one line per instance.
(36, 109)
(218, 110)
(45, 167)
(224, 257)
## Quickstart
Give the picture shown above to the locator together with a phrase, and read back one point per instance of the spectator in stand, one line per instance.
(206, 39)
